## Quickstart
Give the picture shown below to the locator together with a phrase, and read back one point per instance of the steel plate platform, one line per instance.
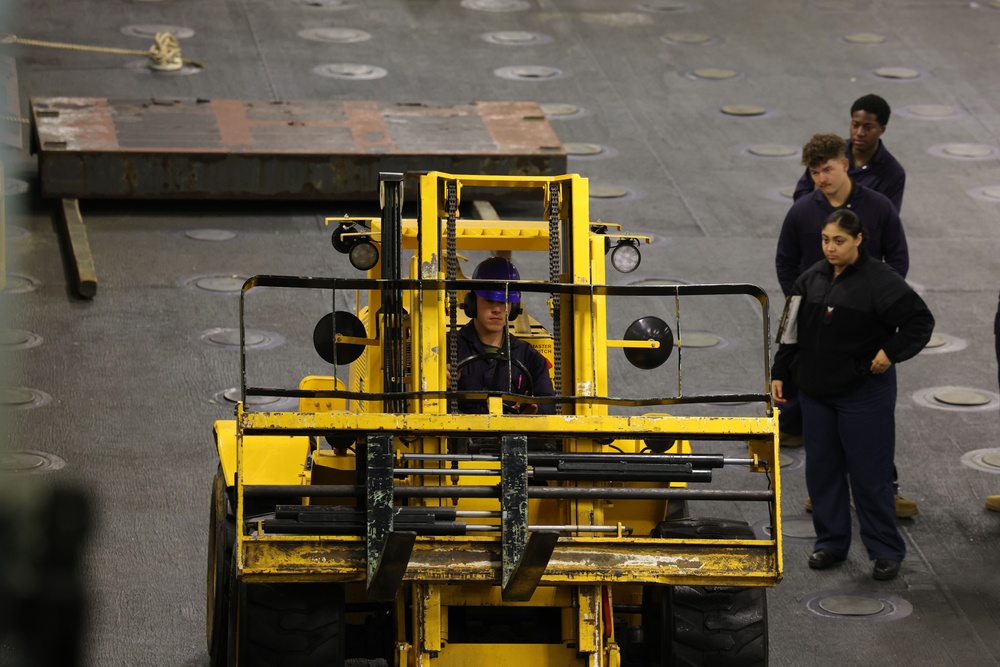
(97, 148)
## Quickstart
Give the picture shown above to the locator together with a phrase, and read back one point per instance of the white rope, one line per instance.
(165, 54)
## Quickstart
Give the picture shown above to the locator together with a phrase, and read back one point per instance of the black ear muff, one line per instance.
(469, 304)
(515, 310)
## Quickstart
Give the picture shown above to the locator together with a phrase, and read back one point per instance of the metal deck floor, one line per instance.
(128, 384)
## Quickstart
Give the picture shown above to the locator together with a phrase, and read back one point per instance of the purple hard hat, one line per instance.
(497, 268)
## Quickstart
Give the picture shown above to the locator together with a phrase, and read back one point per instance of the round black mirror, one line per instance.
(339, 242)
(345, 324)
(649, 328)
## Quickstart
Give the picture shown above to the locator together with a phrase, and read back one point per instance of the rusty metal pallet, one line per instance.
(96, 148)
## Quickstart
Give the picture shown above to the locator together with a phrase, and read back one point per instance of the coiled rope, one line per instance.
(164, 55)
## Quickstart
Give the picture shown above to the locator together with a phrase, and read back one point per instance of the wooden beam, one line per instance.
(82, 260)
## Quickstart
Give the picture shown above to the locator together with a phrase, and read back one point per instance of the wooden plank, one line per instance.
(13, 123)
(484, 210)
(76, 241)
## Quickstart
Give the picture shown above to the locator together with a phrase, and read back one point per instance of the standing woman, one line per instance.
(857, 318)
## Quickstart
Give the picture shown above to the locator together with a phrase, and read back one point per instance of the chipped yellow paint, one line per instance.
(704, 428)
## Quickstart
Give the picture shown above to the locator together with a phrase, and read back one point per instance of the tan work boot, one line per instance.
(905, 508)
(993, 503)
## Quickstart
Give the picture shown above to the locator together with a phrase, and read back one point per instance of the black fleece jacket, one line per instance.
(844, 322)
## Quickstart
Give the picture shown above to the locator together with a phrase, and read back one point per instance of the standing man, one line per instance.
(869, 162)
(800, 246)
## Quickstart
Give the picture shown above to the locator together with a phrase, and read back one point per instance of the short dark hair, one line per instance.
(848, 221)
(873, 104)
(822, 148)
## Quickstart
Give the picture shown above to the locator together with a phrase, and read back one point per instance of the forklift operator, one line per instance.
(490, 357)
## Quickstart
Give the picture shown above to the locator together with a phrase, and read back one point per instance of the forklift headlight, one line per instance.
(363, 255)
(625, 257)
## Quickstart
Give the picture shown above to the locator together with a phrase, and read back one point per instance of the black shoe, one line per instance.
(885, 569)
(822, 559)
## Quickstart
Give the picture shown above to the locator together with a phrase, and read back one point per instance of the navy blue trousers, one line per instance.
(791, 417)
(850, 441)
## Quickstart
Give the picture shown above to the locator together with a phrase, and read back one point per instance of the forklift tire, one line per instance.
(221, 537)
(725, 626)
(292, 625)
(718, 625)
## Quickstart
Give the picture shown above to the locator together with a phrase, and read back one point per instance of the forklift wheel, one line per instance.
(221, 536)
(717, 625)
(293, 625)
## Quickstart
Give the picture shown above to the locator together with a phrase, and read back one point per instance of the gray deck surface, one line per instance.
(134, 386)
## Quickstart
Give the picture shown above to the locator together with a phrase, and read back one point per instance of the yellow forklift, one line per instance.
(358, 518)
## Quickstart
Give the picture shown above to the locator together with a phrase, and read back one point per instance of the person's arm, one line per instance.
(900, 307)
(895, 250)
(804, 186)
(880, 364)
(470, 376)
(540, 381)
(781, 369)
(778, 392)
(543, 387)
(891, 177)
(894, 190)
(788, 254)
